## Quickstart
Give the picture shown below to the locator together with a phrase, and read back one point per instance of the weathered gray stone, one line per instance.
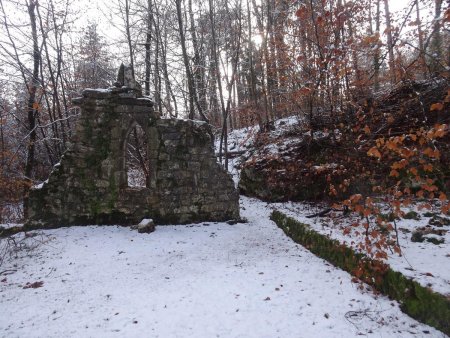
(90, 184)
(125, 78)
(145, 226)
(96, 94)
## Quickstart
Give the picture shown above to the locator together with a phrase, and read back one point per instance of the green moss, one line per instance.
(435, 240)
(417, 236)
(87, 127)
(113, 193)
(417, 301)
(439, 221)
(412, 215)
(102, 145)
(324, 247)
(6, 232)
(94, 208)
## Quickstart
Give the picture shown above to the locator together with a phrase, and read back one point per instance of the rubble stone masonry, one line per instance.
(89, 185)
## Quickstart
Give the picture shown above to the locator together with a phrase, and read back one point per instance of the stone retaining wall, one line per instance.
(415, 300)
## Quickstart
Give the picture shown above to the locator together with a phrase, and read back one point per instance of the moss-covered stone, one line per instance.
(417, 237)
(6, 232)
(412, 215)
(439, 221)
(90, 185)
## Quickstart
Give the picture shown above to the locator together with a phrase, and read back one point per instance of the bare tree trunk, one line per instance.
(230, 83)
(265, 57)
(198, 69)
(158, 86)
(57, 77)
(128, 33)
(436, 64)
(376, 57)
(270, 58)
(2, 136)
(252, 79)
(422, 60)
(356, 68)
(390, 44)
(282, 8)
(32, 105)
(148, 40)
(190, 81)
(53, 151)
(218, 77)
(169, 91)
(55, 107)
(185, 60)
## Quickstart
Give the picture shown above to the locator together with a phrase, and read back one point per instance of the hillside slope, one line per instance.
(292, 162)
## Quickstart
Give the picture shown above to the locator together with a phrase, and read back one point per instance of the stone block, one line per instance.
(145, 226)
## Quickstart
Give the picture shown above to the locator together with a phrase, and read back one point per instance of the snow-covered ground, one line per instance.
(201, 280)
(425, 262)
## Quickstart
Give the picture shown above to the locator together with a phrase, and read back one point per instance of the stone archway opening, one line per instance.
(137, 164)
(116, 172)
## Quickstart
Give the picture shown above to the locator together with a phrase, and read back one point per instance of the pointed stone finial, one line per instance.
(120, 76)
(125, 78)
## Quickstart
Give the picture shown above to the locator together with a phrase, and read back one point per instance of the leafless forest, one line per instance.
(232, 63)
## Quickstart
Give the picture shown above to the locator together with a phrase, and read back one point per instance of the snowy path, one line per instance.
(203, 280)
(423, 262)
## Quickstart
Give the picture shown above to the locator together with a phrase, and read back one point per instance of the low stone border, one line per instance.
(415, 300)
(7, 232)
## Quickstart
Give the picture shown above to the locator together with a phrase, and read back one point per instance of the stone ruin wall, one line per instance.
(89, 186)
